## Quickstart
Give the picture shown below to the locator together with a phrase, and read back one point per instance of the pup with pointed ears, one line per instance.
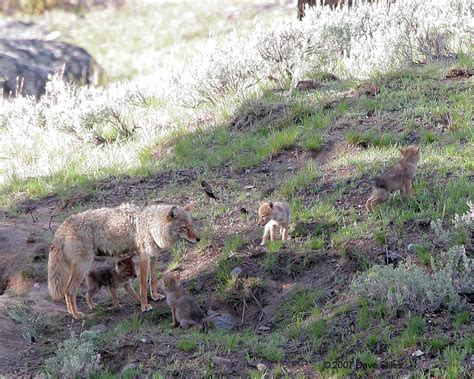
(274, 215)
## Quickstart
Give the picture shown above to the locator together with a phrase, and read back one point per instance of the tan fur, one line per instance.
(274, 215)
(148, 230)
(113, 277)
(185, 310)
(399, 177)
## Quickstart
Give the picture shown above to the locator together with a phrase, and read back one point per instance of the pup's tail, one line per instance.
(210, 318)
(58, 272)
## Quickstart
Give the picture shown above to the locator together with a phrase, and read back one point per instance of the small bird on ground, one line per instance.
(208, 190)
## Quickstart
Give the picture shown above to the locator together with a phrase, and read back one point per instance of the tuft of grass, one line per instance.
(131, 325)
(437, 343)
(366, 362)
(462, 318)
(313, 141)
(315, 243)
(226, 262)
(372, 340)
(187, 344)
(453, 357)
(297, 306)
(269, 348)
(300, 181)
(177, 252)
(380, 236)
(423, 253)
(410, 336)
(32, 325)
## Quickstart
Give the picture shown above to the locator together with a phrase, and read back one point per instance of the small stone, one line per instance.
(411, 247)
(143, 340)
(99, 328)
(417, 353)
(249, 187)
(261, 367)
(236, 272)
(263, 328)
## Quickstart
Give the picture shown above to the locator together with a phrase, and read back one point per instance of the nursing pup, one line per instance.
(147, 230)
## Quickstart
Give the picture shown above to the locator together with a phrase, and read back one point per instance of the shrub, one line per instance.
(359, 41)
(75, 357)
(410, 288)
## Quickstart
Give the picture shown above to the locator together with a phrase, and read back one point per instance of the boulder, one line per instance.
(29, 55)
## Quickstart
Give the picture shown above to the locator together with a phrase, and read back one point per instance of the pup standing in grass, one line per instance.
(148, 230)
(113, 277)
(399, 177)
(273, 215)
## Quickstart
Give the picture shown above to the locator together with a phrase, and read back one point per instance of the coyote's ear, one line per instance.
(188, 207)
(417, 149)
(172, 212)
(403, 150)
(270, 204)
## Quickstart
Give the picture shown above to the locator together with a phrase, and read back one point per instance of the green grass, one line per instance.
(306, 176)
(226, 262)
(462, 318)
(33, 325)
(269, 348)
(315, 243)
(423, 253)
(297, 306)
(130, 325)
(177, 252)
(370, 138)
(410, 336)
(187, 344)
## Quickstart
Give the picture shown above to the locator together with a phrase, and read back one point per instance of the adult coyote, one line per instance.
(146, 230)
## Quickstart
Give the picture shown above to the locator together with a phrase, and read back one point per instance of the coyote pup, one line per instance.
(273, 215)
(113, 277)
(399, 177)
(184, 309)
(148, 230)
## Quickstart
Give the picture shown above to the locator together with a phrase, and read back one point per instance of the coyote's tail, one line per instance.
(58, 272)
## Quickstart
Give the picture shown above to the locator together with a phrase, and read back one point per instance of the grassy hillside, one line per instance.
(330, 302)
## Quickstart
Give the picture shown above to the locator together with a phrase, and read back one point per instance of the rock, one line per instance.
(249, 187)
(224, 321)
(263, 328)
(261, 367)
(99, 328)
(417, 353)
(236, 272)
(28, 55)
